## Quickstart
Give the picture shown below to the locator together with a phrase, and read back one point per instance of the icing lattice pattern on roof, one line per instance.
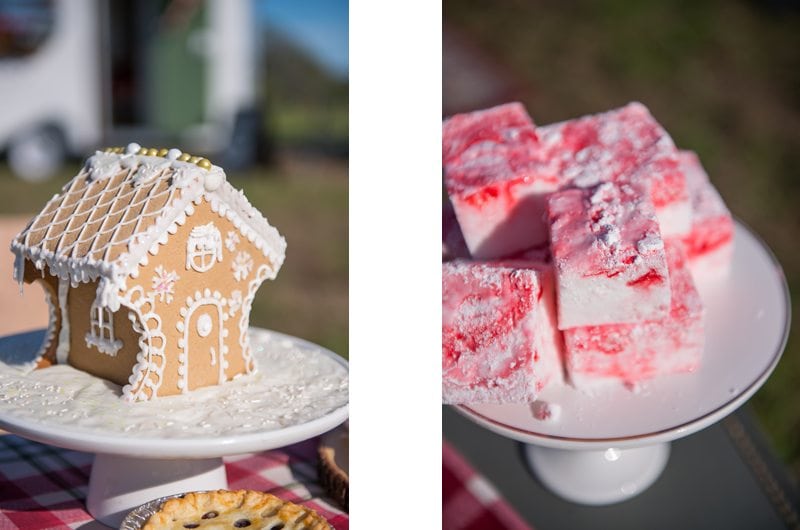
(122, 205)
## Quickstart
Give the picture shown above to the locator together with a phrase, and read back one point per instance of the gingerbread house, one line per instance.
(150, 261)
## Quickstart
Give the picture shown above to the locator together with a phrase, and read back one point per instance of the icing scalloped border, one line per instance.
(262, 274)
(148, 372)
(207, 297)
(109, 347)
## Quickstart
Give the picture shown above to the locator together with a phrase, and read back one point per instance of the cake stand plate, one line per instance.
(611, 445)
(174, 444)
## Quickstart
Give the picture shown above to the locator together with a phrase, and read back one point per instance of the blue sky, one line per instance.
(319, 26)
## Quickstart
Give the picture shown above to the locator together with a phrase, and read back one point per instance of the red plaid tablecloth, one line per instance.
(469, 501)
(44, 487)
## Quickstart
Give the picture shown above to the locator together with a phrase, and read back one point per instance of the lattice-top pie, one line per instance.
(223, 509)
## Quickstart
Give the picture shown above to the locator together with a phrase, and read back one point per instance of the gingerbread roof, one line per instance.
(121, 206)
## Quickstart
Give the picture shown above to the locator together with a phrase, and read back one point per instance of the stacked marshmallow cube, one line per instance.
(608, 210)
(621, 145)
(499, 169)
(494, 180)
(608, 256)
(499, 339)
(634, 352)
(709, 243)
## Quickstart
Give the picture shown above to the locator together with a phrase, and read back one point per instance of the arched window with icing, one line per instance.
(203, 248)
(101, 331)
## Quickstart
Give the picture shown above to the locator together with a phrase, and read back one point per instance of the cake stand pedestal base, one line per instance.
(597, 477)
(119, 483)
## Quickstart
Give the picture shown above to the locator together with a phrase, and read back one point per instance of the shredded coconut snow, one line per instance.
(296, 384)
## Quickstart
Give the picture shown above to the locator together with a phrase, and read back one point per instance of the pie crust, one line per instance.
(224, 509)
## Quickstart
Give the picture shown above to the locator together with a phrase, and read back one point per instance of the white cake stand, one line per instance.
(610, 446)
(176, 444)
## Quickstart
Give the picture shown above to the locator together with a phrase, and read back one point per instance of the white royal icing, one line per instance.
(214, 302)
(101, 332)
(234, 302)
(188, 186)
(148, 372)
(241, 266)
(204, 325)
(262, 273)
(164, 284)
(52, 316)
(203, 247)
(62, 350)
(231, 240)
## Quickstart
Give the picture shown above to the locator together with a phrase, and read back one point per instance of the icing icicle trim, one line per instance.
(62, 351)
(109, 347)
(52, 317)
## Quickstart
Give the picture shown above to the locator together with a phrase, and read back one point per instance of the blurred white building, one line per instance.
(78, 74)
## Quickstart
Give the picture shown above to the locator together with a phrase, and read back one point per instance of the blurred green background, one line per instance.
(723, 77)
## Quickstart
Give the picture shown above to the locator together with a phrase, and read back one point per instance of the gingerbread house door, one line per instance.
(203, 342)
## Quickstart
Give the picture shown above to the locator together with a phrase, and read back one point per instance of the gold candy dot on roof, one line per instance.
(162, 152)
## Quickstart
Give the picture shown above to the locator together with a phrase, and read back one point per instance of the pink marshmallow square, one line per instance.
(608, 256)
(709, 244)
(632, 353)
(494, 180)
(618, 145)
(500, 343)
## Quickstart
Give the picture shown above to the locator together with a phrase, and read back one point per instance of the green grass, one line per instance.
(308, 203)
(296, 124)
(723, 77)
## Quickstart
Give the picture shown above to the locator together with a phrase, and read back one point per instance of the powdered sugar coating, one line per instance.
(499, 339)
(499, 169)
(631, 353)
(709, 244)
(494, 180)
(546, 411)
(624, 144)
(487, 147)
(603, 147)
(608, 256)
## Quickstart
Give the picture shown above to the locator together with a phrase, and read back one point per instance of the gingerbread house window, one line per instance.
(203, 248)
(101, 331)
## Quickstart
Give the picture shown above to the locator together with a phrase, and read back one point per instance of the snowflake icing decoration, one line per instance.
(234, 302)
(164, 284)
(231, 240)
(242, 266)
